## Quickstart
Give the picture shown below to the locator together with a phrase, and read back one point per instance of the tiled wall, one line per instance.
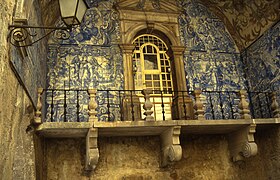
(211, 57)
(262, 61)
(262, 67)
(212, 60)
(91, 58)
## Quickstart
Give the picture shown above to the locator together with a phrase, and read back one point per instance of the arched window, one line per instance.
(151, 64)
(152, 69)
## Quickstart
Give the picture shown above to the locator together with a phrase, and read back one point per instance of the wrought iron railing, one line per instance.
(71, 105)
(260, 104)
(221, 104)
(65, 105)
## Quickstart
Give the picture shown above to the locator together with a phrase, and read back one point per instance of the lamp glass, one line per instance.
(82, 8)
(72, 11)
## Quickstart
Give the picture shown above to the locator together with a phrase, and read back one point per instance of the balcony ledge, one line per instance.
(64, 129)
(148, 128)
(240, 134)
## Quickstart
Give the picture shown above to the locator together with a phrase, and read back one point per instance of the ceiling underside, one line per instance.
(246, 20)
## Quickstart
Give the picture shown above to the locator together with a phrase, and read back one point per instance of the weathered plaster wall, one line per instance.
(204, 157)
(17, 157)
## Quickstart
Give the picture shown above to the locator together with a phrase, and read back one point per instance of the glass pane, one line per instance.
(156, 84)
(148, 77)
(150, 62)
(149, 49)
(148, 84)
(156, 77)
(82, 8)
(168, 76)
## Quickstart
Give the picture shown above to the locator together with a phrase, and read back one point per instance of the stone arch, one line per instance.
(135, 29)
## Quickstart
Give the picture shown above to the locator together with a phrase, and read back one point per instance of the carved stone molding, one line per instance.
(242, 144)
(38, 119)
(199, 108)
(133, 19)
(127, 50)
(148, 105)
(244, 105)
(170, 146)
(178, 52)
(92, 152)
(92, 105)
(274, 105)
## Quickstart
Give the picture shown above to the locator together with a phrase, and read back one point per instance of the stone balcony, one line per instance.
(91, 114)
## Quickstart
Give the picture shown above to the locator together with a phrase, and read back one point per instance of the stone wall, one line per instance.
(204, 157)
(17, 156)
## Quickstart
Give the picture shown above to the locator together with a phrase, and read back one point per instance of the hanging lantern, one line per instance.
(72, 11)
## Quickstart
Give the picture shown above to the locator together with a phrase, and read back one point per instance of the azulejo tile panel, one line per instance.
(211, 57)
(88, 59)
(82, 67)
(262, 62)
(212, 60)
(91, 58)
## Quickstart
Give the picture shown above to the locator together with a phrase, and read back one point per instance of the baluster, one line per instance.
(274, 105)
(199, 109)
(244, 105)
(38, 113)
(148, 105)
(162, 105)
(92, 105)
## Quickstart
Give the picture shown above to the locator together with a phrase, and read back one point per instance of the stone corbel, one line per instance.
(242, 144)
(170, 146)
(92, 152)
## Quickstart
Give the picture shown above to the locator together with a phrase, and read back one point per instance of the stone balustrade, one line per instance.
(38, 113)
